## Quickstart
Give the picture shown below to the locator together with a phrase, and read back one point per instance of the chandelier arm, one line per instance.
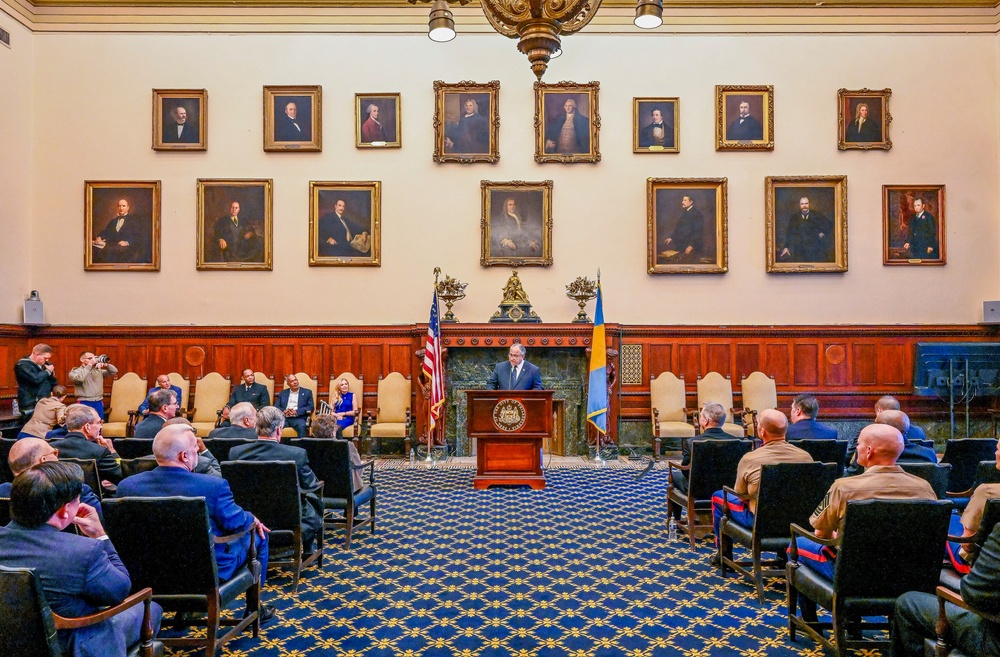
(505, 15)
(577, 14)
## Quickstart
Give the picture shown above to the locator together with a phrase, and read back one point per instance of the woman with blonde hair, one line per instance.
(345, 404)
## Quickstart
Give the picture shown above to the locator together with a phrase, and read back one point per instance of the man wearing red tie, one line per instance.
(515, 373)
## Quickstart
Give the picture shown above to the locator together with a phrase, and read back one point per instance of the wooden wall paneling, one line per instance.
(747, 360)
(311, 361)
(342, 359)
(689, 363)
(222, 359)
(166, 358)
(8, 355)
(895, 365)
(777, 362)
(865, 357)
(805, 364)
(400, 359)
(135, 358)
(252, 357)
(835, 364)
(283, 362)
(659, 360)
(371, 364)
(718, 358)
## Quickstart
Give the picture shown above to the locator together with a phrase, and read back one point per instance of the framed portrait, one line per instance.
(913, 228)
(345, 221)
(467, 122)
(687, 230)
(567, 122)
(121, 225)
(293, 118)
(180, 119)
(744, 117)
(516, 223)
(863, 119)
(805, 223)
(234, 224)
(378, 121)
(656, 125)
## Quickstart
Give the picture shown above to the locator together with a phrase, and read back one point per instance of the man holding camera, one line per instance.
(88, 380)
(35, 379)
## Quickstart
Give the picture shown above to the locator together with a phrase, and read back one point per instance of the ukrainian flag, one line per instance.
(597, 390)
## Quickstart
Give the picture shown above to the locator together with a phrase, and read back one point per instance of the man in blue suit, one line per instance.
(515, 373)
(79, 574)
(805, 408)
(296, 403)
(176, 452)
(162, 383)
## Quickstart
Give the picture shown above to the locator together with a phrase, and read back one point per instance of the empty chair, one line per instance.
(936, 474)
(986, 473)
(714, 387)
(825, 451)
(137, 465)
(391, 417)
(964, 454)
(759, 392)
(90, 475)
(211, 393)
(668, 408)
(127, 393)
(133, 448)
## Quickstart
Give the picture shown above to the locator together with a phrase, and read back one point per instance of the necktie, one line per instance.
(513, 376)
(236, 222)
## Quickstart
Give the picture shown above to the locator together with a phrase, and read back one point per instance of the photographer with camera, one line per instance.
(35, 379)
(88, 380)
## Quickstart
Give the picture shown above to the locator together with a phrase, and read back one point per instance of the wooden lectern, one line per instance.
(509, 426)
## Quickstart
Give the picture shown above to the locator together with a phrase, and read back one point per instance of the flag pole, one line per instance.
(435, 365)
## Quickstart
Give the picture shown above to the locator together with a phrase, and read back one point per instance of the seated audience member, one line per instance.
(296, 403)
(162, 383)
(176, 452)
(270, 422)
(162, 406)
(326, 426)
(890, 403)
(805, 408)
(207, 463)
(711, 419)
(345, 405)
(248, 391)
(912, 452)
(29, 452)
(79, 574)
(242, 423)
(771, 425)
(88, 381)
(967, 524)
(84, 441)
(917, 613)
(49, 412)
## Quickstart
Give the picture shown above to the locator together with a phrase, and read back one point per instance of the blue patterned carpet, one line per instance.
(581, 569)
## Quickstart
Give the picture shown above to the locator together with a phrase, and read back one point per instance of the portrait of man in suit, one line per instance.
(378, 121)
(806, 223)
(180, 126)
(567, 123)
(913, 225)
(180, 119)
(234, 225)
(744, 126)
(866, 125)
(863, 119)
(343, 223)
(467, 127)
(122, 226)
(292, 118)
(655, 125)
(687, 226)
(744, 118)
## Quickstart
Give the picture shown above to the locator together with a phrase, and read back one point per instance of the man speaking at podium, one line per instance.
(516, 373)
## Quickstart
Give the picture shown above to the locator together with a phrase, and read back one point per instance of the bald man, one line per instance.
(29, 452)
(912, 452)
(771, 426)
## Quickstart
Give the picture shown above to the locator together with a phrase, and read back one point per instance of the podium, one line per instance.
(509, 426)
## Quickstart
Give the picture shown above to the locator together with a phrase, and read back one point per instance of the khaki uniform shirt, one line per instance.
(748, 471)
(973, 514)
(883, 482)
(89, 381)
(48, 413)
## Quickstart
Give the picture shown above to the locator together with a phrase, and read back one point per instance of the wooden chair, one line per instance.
(211, 393)
(127, 393)
(391, 417)
(309, 383)
(943, 647)
(759, 392)
(713, 387)
(268, 382)
(184, 384)
(668, 410)
(355, 384)
(28, 627)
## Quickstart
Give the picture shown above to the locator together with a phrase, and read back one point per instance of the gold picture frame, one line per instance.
(736, 131)
(180, 119)
(293, 118)
(863, 119)
(385, 128)
(345, 220)
(552, 142)
(805, 224)
(913, 235)
(243, 244)
(467, 122)
(650, 136)
(516, 223)
(687, 225)
(121, 225)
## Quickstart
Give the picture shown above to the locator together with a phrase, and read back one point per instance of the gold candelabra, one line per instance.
(449, 290)
(582, 290)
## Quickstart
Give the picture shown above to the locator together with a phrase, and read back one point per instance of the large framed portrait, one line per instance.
(744, 117)
(687, 230)
(234, 224)
(656, 125)
(806, 223)
(863, 119)
(345, 224)
(378, 121)
(121, 225)
(180, 119)
(913, 227)
(516, 223)
(467, 122)
(567, 122)
(293, 118)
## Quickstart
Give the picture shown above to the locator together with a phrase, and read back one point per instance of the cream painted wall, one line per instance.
(92, 122)
(16, 65)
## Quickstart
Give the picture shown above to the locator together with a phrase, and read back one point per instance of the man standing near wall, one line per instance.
(35, 379)
(89, 380)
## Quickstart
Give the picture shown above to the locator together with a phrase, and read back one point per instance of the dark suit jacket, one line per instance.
(225, 516)
(870, 131)
(189, 135)
(530, 379)
(285, 131)
(149, 427)
(144, 406)
(87, 497)
(231, 432)
(135, 231)
(646, 138)
(76, 446)
(712, 433)
(256, 395)
(749, 130)
(804, 429)
(305, 407)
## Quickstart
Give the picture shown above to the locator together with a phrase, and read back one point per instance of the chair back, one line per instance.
(268, 381)
(164, 542)
(184, 384)
(667, 396)
(126, 395)
(90, 474)
(277, 504)
(936, 474)
(714, 387)
(220, 447)
(26, 625)
(355, 384)
(923, 442)
(964, 454)
(789, 493)
(331, 461)
(759, 392)
(211, 393)
(986, 473)
(133, 448)
(825, 451)
(889, 547)
(5, 446)
(991, 516)
(4, 513)
(394, 393)
(309, 383)
(135, 466)
(713, 465)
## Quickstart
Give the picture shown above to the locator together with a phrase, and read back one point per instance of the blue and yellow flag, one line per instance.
(597, 390)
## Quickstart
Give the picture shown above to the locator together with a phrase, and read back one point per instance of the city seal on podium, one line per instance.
(509, 415)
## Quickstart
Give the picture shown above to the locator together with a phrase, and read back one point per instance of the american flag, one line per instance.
(432, 364)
